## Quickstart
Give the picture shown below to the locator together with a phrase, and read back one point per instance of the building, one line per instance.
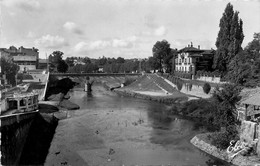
(25, 58)
(252, 107)
(191, 59)
(43, 64)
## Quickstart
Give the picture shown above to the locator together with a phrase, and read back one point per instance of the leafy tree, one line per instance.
(154, 64)
(230, 38)
(120, 60)
(169, 59)
(9, 68)
(102, 61)
(62, 66)
(254, 46)
(161, 49)
(226, 99)
(55, 58)
(70, 61)
(206, 88)
(86, 60)
(244, 68)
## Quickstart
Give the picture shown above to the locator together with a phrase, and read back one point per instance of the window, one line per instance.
(12, 104)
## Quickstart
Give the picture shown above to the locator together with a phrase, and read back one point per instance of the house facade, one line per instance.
(191, 59)
(25, 58)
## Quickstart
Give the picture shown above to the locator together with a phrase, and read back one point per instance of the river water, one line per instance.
(113, 130)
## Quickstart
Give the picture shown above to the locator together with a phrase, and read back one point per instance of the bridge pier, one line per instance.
(88, 85)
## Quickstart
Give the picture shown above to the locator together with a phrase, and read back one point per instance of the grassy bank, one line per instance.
(172, 99)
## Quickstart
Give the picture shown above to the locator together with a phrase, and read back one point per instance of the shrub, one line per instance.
(206, 88)
(222, 139)
(190, 86)
(179, 85)
(129, 80)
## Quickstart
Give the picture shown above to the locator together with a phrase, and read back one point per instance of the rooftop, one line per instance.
(254, 100)
(190, 49)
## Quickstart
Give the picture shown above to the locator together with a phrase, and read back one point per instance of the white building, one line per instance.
(191, 59)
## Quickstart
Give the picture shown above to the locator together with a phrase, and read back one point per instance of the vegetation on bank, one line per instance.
(218, 112)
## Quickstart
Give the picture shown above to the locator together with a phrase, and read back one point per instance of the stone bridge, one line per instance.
(116, 79)
(95, 74)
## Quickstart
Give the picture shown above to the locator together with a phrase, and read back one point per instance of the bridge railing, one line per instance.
(95, 74)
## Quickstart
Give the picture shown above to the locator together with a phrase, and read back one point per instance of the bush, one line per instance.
(206, 88)
(179, 84)
(222, 139)
(190, 86)
(129, 80)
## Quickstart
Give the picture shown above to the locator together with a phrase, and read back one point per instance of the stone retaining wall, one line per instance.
(208, 148)
(221, 154)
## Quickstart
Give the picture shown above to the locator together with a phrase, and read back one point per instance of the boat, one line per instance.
(19, 103)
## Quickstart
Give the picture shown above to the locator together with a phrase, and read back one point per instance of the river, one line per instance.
(113, 130)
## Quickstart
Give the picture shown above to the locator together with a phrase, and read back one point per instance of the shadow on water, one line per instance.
(39, 140)
(173, 130)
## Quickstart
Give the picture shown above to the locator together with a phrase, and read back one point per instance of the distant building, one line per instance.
(100, 69)
(191, 59)
(78, 62)
(43, 64)
(25, 58)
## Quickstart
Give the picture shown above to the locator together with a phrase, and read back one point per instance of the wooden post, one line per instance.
(246, 111)
(26, 100)
(18, 104)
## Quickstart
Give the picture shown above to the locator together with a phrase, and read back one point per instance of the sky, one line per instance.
(118, 28)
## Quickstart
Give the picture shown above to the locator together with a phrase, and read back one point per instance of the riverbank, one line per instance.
(153, 96)
(202, 142)
(57, 96)
(109, 129)
(145, 88)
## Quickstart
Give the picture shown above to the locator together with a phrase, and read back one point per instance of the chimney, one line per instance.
(188, 45)
(199, 47)
(191, 44)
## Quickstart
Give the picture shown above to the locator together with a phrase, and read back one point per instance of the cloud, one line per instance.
(28, 5)
(160, 31)
(31, 35)
(72, 27)
(49, 41)
(149, 21)
(84, 47)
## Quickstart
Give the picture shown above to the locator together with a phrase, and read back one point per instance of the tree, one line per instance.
(102, 61)
(70, 61)
(206, 88)
(230, 38)
(161, 49)
(227, 99)
(154, 64)
(120, 60)
(169, 60)
(62, 66)
(86, 60)
(244, 68)
(55, 58)
(9, 68)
